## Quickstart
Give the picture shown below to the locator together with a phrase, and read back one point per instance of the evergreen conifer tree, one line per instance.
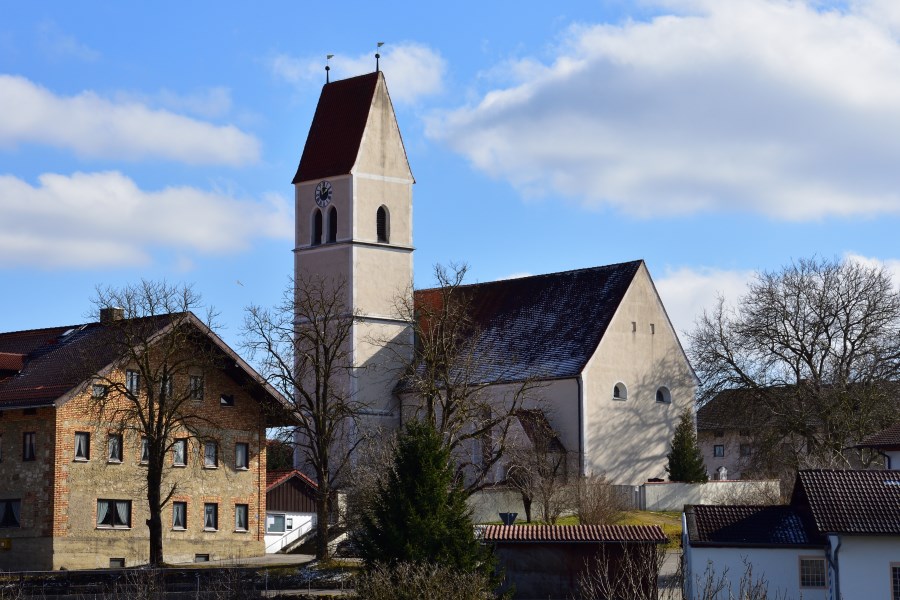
(419, 514)
(685, 460)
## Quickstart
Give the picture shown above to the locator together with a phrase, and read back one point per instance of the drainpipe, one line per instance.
(887, 459)
(582, 451)
(833, 564)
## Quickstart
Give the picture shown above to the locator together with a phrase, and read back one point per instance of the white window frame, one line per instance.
(808, 559)
(179, 507)
(210, 455)
(238, 509)
(182, 444)
(29, 443)
(111, 509)
(719, 451)
(272, 520)
(114, 450)
(83, 455)
(145, 450)
(237, 456)
(133, 382)
(210, 516)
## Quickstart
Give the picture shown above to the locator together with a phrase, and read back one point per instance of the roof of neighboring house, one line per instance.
(544, 326)
(575, 533)
(55, 361)
(276, 478)
(887, 439)
(335, 135)
(853, 502)
(747, 526)
(731, 409)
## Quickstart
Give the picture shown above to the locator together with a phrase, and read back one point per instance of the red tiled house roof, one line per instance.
(575, 533)
(887, 439)
(277, 477)
(853, 502)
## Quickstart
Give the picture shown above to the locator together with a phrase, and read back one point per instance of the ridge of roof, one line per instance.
(885, 439)
(851, 501)
(336, 132)
(574, 533)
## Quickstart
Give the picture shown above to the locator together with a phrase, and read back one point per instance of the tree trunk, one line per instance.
(322, 525)
(526, 502)
(154, 523)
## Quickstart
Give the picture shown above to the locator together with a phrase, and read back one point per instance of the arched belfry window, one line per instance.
(382, 224)
(332, 225)
(620, 392)
(663, 395)
(316, 228)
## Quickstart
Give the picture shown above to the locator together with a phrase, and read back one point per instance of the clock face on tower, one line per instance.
(323, 193)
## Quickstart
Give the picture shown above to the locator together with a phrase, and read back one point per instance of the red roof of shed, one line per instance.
(575, 533)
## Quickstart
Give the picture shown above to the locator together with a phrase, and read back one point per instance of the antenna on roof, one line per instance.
(327, 68)
(378, 56)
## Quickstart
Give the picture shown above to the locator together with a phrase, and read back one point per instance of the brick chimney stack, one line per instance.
(108, 315)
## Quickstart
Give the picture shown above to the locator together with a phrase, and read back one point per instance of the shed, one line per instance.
(290, 509)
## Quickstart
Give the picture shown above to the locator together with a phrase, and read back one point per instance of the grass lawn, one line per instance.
(669, 521)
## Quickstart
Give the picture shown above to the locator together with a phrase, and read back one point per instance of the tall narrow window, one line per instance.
(179, 451)
(210, 516)
(210, 455)
(196, 382)
(132, 382)
(381, 224)
(317, 228)
(114, 448)
(240, 517)
(82, 445)
(145, 450)
(28, 445)
(165, 386)
(9, 513)
(332, 225)
(179, 515)
(241, 455)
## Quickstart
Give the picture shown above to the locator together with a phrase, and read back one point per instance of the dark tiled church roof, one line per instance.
(853, 502)
(747, 526)
(545, 326)
(337, 128)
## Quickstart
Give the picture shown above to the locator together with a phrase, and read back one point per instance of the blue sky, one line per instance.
(158, 140)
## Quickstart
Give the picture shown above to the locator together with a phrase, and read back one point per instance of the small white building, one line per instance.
(839, 538)
(290, 509)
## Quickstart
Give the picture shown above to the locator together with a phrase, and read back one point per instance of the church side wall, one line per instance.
(627, 440)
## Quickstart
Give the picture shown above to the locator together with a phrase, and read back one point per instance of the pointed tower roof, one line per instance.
(338, 127)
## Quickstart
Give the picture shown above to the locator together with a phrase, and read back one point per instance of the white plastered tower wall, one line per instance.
(376, 273)
(627, 440)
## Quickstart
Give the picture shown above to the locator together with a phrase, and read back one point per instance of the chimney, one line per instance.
(108, 315)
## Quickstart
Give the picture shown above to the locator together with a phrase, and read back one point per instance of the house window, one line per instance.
(28, 445)
(114, 448)
(241, 455)
(145, 450)
(179, 451)
(210, 455)
(240, 517)
(132, 382)
(332, 225)
(196, 382)
(210, 516)
(82, 445)
(200, 558)
(895, 581)
(117, 563)
(812, 572)
(620, 392)
(381, 224)
(9, 513)
(179, 515)
(275, 524)
(98, 390)
(719, 450)
(317, 228)
(226, 400)
(114, 513)
(746, 450)
(166, 387)
(663, 395)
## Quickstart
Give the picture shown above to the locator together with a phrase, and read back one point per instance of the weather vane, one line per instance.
(327, 67)
(378, 56)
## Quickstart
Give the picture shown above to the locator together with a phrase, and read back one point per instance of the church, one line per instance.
(613, 376)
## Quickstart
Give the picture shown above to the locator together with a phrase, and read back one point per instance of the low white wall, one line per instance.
(673, 496)
(487, 505)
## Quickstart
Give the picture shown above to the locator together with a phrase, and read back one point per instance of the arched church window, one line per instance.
(620, 392)
(332, 225)
(316, 228)
(382, 224)
(663, 395)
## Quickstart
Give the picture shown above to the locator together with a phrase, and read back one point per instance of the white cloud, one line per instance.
(890, 265)
(103, 219)
(686, 292)
(96, 127)
(412, 70)
(209, 103)
(765, 106)
(58, 45)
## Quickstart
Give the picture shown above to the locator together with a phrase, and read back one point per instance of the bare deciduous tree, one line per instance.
(816, 345)
(156, 341)
(597, 502)
(303, 346)
(457, 381)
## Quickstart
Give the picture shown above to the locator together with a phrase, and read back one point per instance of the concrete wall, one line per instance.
(487, 505)
(864, 564)
(673, 496)
(627, 440)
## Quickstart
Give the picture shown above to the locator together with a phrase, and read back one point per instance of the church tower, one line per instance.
(353, 207)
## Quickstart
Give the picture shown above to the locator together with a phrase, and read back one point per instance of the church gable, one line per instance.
(381, 151)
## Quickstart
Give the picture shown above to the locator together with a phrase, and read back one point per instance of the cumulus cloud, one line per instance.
(889, 265)
(686, 292)
(97, 127)
(209, 103)
(762, 106)
(90, 220)
(413, 70)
